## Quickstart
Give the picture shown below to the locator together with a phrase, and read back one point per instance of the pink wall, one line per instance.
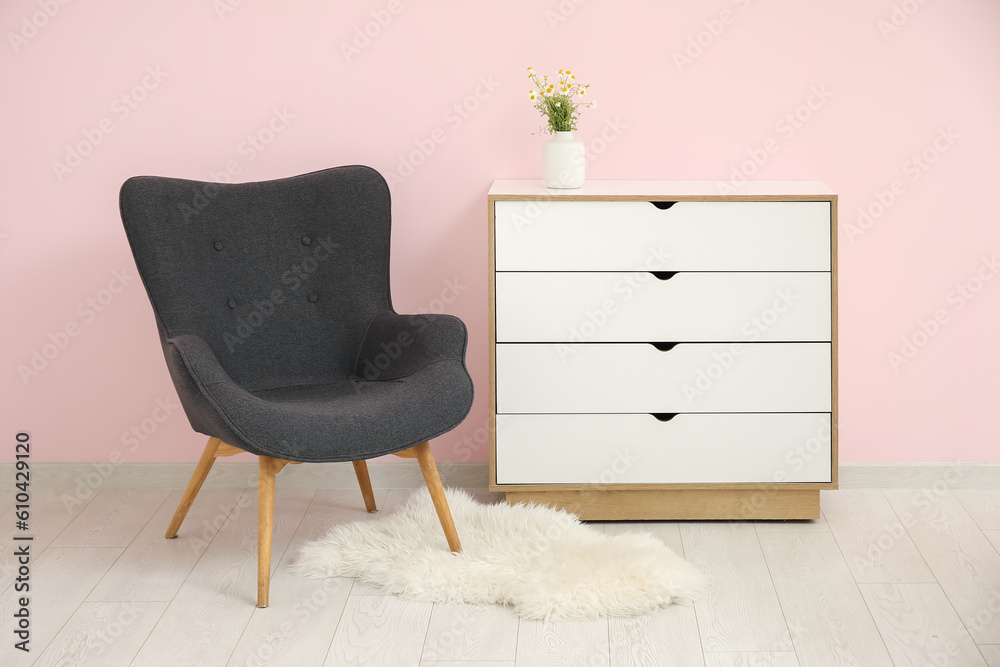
(177, 88)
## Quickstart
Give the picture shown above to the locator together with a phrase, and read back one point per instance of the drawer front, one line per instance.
(639, 449)
(637, 236)
(690, 377)
(639, 307)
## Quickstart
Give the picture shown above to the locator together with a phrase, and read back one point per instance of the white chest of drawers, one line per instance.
(659, 350)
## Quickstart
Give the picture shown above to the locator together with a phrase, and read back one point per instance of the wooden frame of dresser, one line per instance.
(740, 500)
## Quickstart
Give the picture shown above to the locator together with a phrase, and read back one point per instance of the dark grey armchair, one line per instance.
(273, 309)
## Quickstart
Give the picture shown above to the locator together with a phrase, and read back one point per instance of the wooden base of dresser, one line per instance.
(666, 504)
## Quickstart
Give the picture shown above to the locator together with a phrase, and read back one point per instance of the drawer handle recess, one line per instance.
(663, 347)
(664, 416)
(663, 205)
(664, 275)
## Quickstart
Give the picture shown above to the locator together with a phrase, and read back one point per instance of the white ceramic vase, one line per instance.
(563, 161)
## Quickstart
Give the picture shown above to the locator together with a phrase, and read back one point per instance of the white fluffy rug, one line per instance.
(542, 562)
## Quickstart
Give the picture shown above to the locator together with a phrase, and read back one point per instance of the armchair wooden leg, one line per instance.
(197, 479)
(267, 468)
(433, 480)
(361, 470)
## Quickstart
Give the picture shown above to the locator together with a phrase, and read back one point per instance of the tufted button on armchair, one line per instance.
(272, 304)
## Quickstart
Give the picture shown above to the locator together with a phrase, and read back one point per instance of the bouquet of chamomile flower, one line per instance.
(555, 100)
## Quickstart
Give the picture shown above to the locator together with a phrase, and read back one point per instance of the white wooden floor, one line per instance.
(898, 577)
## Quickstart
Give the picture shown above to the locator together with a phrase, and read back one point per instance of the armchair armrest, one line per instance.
(200, 381)
(399, 345)
(199, 360)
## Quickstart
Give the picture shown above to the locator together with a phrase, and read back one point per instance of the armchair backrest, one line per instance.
(280, 278)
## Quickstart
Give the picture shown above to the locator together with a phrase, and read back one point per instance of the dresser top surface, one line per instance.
(503, 189)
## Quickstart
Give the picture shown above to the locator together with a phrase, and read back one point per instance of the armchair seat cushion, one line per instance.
(348, 420)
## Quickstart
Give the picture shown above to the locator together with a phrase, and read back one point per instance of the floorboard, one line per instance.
(153, 567)
(819, 525)
(739, 611)
(467, 663)
(102, 634)
(213, 606)
(380, 630)
(962, 559)
(752, 659)
(827, 616)
(47, 518)
(564, 644)
(298, 627)
(667, 636)
(983, 505)
(60, 579)
(471, 632)
(994, 537)
(991, 653)
(919, 625)
(7, 499)
(873, 539)
(669, 532)
(112, 519)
